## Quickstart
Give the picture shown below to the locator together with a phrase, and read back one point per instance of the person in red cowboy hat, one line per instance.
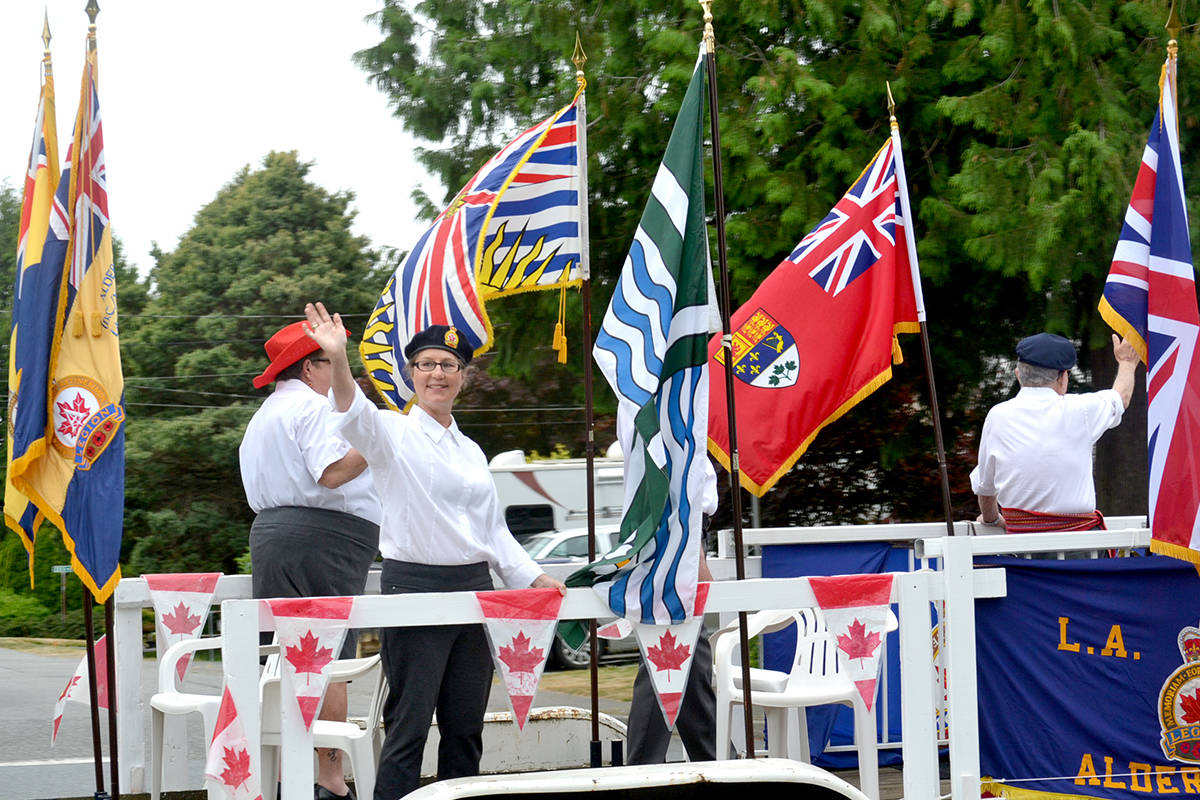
(442, 530)
(316, 532)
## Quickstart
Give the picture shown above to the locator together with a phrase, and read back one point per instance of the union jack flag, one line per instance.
(856, 233)
(1150, 299)
(514, 227)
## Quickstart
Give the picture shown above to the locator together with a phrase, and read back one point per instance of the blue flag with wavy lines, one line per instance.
(652, 349)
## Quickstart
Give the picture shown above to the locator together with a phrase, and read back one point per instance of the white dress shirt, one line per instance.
(439, 500)
(286, 448)
(1036, 449)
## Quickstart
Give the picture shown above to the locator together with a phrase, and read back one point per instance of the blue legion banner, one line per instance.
(1089, 679)
(79, 482)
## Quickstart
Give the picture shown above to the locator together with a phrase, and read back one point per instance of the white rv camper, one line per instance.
(550, 494)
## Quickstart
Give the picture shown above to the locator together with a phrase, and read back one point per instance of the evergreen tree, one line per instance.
(1023, 126)
(268, 243)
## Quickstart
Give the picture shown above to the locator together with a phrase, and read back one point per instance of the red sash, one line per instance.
(1018, 520)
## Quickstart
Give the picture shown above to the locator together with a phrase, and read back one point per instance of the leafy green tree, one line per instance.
(1023, 125)
(269, 242)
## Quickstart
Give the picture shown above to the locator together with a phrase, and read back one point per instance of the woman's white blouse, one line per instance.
(438, 498)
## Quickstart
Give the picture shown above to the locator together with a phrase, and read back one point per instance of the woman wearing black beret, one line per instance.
(442, 529)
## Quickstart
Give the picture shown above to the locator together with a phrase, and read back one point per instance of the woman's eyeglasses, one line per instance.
(429, 366)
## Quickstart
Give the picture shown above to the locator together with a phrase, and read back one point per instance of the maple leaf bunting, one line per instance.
(668, 655)
(228, 765)
(857, 643)
(181, 605)
(520, 625)
(310, 632)
(855, 608)
(77, 688)
(668, 650)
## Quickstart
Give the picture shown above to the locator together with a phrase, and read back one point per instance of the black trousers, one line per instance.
(696, 723)
(442, 668)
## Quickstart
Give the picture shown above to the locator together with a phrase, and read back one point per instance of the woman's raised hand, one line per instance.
(327, 331)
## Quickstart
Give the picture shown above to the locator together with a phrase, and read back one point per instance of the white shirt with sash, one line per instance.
(1035, 452)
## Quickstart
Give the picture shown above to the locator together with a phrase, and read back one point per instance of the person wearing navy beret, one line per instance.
(1035, 452)
(442, 531)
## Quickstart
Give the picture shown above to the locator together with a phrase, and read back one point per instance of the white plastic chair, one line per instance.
(361, 744)
(815, 678)
(170, 701)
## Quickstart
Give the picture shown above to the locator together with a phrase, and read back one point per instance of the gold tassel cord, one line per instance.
(560, 338)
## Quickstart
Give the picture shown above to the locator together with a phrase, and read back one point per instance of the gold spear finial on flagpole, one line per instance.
(710, 39)
(579, 58)
(93, 9)
(1173, 26)
(46, 32)
(891, 105)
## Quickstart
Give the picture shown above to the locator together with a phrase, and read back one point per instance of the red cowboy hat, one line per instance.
(286, 347)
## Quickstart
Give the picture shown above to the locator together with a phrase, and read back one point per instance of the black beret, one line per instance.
(1047, 350)
(442, 337)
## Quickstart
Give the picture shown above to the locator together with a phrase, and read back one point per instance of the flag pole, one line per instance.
(1174, 26)
(93, 10)
(89, 634)
(580, 58)
(735, 497)
(911, 242)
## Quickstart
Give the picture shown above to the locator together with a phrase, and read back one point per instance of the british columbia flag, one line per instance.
(849, 240)
(1150, 299)
(514, 227)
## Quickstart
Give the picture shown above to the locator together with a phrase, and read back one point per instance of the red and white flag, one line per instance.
(520, 626)
(667, 651)
(310, 632)
(855, 608)
(181, 605)
(77, 688)
(228, 764)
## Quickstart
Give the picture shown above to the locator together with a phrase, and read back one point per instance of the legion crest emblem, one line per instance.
(84, 419)
(452, 337)
(764, 353)
(1179, 703)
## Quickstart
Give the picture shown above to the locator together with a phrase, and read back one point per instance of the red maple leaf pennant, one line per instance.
(309, 656)
(180, 620)
(668, 655)
(521, 657)
(1191, 707)
(857, 643)
(237, 767)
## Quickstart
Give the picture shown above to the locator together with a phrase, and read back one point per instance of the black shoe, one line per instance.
(321, 793)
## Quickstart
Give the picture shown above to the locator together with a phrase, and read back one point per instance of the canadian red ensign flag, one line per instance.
(667, 651)
(520, 626)
(856, 608)
(181, 604)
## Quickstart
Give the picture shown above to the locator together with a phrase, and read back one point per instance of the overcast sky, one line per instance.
(190, 92)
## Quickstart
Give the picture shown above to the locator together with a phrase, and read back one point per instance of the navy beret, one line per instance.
(442, 337)
(1047, 350)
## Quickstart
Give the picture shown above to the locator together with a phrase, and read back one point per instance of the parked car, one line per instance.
(555, 547)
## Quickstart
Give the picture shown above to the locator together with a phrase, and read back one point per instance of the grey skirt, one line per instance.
(311, 552)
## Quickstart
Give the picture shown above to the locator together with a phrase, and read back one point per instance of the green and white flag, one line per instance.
(653, 348)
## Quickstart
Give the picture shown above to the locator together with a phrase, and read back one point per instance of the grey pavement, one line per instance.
(31, 681)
